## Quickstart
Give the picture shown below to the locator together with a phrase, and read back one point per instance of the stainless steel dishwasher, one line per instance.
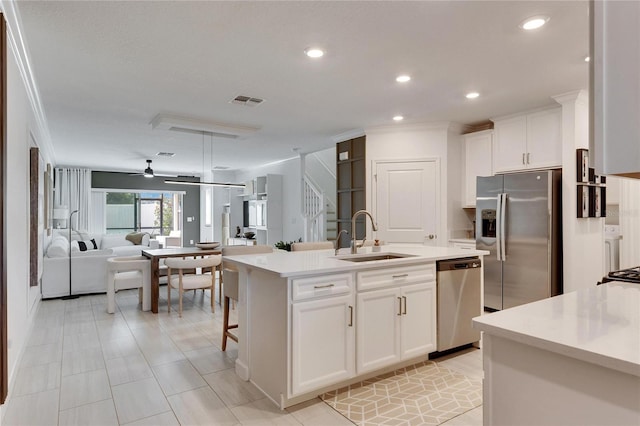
(458, 301)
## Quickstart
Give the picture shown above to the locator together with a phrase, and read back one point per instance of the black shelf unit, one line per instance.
(351, 185)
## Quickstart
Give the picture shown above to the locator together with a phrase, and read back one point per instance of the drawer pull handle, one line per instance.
(404, 299)
(399, 306)
(324, 286)
(400, 276)
(350, 316)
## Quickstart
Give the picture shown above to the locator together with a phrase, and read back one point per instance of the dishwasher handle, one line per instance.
(457, 264)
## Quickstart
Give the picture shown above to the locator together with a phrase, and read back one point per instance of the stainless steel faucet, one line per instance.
(354, 243)
(336, 243)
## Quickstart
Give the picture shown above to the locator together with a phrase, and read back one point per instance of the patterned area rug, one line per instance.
(421, 394)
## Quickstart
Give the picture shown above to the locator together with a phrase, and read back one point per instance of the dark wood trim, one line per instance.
(34, 180)
(4, 364)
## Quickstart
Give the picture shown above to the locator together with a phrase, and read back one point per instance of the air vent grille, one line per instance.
(221, 167)
(165, 154)
(247, 101)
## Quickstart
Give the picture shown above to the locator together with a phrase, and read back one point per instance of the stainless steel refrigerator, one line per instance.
(519, 220)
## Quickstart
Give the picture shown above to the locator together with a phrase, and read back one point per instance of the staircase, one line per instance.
(320, 220)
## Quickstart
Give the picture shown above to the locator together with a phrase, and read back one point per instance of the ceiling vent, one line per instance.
(246, 101)
(190, 125)
(221, 167)
(165, 154)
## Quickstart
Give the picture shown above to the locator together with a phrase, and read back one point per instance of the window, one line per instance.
(157, 213)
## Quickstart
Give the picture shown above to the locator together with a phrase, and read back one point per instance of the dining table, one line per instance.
(154, 255)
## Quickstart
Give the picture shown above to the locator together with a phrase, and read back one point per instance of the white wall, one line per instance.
(421, 141)
(583, 239)
(22, 299)
(292, 224)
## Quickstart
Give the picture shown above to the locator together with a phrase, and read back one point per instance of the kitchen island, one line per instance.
(311, 321)
(573, 359)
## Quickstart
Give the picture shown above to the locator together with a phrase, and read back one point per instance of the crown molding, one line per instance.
(20, 51)
(412, 127)
(349, 134)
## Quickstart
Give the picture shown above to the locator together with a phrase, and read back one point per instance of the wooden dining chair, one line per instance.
(230, 288)
(180, 278)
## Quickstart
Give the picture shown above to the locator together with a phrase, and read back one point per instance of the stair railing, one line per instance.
(313, 211)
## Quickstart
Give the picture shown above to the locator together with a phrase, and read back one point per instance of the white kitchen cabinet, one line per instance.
(322, 342)
(463, 246)
(418, 326)
(265, 208)
(378, 329)
(528, 141)
(397, 322)
(478, 148)
(616, 88)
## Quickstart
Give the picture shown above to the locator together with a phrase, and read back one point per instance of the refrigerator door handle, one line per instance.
(498, 231)
(503, 220)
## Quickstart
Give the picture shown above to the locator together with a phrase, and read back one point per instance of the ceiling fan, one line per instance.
(149, 173)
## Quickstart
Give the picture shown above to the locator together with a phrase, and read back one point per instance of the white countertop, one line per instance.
(301, 263)
(600, 325)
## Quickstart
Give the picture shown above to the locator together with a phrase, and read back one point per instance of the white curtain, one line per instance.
(73, 189)
(97, 223)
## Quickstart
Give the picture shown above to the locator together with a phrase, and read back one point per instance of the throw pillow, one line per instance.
(83, 245)
(136, 237)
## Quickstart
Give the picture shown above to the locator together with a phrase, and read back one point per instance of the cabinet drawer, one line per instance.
(464, 246)
(401, 275)
(308, 288)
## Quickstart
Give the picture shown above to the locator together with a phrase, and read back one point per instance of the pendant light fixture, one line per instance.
(216, 184)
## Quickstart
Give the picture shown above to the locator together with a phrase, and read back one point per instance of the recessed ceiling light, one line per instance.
(398, 118)
(587, 59)
(314, 52)
(534, 22)
(472, 95)
(403, 78)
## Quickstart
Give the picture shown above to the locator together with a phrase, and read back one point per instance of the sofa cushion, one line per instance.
(114, 240)
(59, 247)
(92, 253)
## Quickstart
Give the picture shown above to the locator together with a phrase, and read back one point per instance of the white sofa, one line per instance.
(88, 268)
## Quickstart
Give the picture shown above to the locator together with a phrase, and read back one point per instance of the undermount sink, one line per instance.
(371, 257)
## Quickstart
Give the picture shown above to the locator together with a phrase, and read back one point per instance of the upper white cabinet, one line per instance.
(478, 149)
(616, 87)
(528, 141)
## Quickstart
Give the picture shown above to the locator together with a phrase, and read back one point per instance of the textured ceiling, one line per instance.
(104, 70)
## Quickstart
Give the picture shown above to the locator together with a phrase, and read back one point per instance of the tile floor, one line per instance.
(83, 366)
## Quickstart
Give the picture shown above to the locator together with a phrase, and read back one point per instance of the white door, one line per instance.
(418, 322)
(322, 342)
(378, 329)
(407, 207)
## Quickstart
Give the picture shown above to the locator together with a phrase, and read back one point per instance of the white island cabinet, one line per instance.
(396, 322)
(310, 321)
(322, 331)
(573, 359)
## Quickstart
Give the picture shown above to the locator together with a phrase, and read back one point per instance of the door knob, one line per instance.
(431, 236)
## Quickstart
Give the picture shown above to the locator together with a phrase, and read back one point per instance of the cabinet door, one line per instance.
(478, 162)
(378, 334)
(510, 144)
(418, 323)
(322, 343)
(544, 139)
